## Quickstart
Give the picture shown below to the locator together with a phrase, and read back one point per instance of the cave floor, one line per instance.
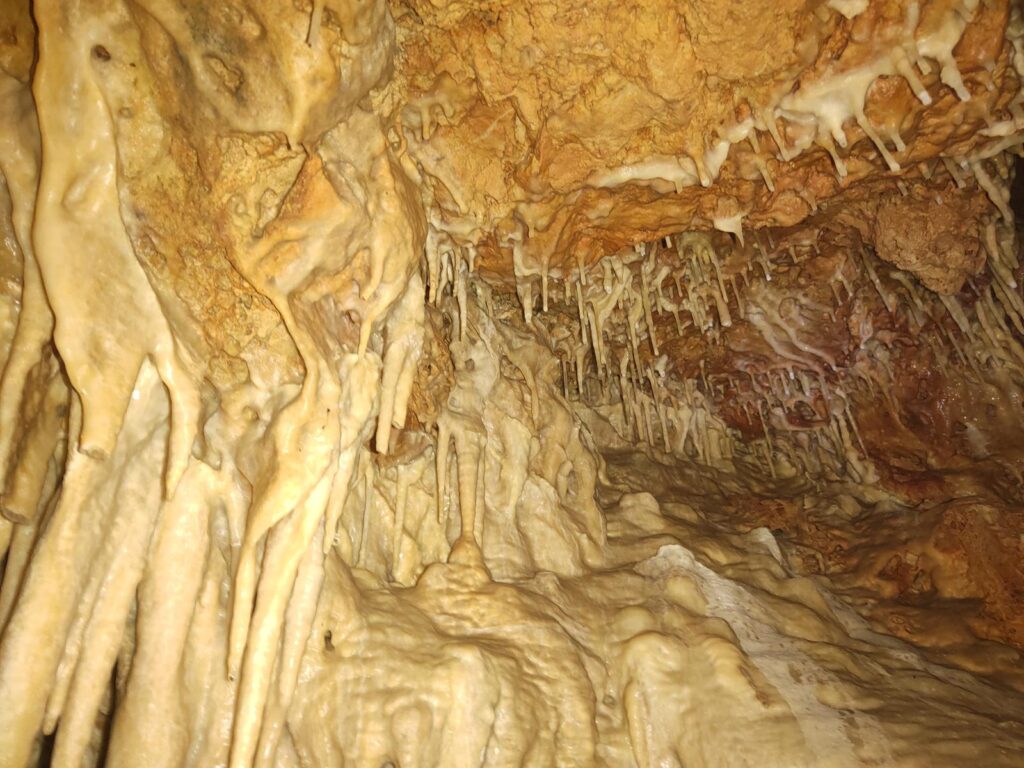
(727, 624)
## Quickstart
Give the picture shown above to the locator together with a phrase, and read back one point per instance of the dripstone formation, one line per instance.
(511, 383)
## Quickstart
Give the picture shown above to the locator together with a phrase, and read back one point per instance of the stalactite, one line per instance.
(260, 273)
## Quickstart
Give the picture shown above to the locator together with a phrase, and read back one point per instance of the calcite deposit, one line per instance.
(511, 383)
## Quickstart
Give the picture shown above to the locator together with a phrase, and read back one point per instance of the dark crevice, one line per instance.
(1017, 190)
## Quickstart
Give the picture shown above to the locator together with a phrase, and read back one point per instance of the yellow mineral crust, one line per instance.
(592, 126)
(511, 383)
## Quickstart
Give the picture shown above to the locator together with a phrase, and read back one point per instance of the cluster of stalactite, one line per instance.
(307, 449)
(617, 328)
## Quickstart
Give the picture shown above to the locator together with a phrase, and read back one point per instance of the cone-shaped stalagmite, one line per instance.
(393, 383)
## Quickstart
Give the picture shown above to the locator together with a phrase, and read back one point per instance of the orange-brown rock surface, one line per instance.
(577, 129)
(480, 383)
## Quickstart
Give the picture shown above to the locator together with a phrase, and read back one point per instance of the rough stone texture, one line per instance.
(516, 113)
(316, 447)
(936, 238)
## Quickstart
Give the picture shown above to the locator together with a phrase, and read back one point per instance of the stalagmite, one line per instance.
(265, 266)
(401, 505)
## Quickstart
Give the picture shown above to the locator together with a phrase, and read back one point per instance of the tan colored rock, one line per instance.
(938, 241)
(487, 383)
(594, 127)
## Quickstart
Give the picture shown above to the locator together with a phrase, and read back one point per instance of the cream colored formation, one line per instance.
(308, 459)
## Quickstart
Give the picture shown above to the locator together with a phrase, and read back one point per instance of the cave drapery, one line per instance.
(506, 382)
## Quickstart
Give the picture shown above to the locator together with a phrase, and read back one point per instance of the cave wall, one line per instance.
(510, 383)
